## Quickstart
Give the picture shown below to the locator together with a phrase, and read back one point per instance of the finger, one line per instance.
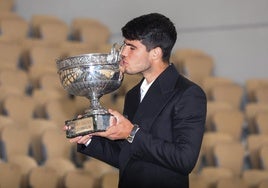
(102, 134)
(84, 139)
(116, 114)
(113, 112)
(112, 121)
(75, 140)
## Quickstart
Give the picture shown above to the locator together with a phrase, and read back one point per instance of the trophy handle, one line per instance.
(115, 53)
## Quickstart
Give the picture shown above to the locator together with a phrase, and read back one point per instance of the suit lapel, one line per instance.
(156, 98)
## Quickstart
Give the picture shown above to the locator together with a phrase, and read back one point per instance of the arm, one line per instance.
(102, 149)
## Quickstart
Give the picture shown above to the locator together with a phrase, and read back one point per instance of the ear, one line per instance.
(157, 53)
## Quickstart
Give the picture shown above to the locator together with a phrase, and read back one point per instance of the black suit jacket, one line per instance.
(165, 149)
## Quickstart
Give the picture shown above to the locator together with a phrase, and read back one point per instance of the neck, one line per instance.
(155, 72)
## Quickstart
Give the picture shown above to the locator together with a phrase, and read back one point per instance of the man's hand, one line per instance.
(79, 139)
(120, 127)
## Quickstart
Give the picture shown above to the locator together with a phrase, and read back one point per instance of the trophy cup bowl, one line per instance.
(90, 75)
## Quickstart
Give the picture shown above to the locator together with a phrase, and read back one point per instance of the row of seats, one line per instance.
(49, 87)
(34, 106)
(54, 29)
(58, 173)
(199, 67)
(234, 149)
(219, 177)
(7, 5)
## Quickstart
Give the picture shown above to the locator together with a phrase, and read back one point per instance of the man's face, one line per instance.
(135, 57)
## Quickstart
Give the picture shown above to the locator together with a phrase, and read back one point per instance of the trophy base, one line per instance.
(87, 124)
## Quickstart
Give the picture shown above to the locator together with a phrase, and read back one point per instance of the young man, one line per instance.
(157, 145)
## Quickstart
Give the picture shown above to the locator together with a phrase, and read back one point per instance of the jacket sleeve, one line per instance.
(102, 149)
(180, 153)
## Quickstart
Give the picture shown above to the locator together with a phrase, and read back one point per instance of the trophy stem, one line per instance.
(96, 107)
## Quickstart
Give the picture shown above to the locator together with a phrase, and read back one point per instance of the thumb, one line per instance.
(114, 113)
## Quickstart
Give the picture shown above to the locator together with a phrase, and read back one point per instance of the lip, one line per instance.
(122, 66)
(123, 62)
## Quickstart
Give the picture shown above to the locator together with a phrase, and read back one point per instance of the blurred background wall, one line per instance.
(234, 33)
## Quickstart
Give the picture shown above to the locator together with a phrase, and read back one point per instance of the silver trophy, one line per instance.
(92, 76)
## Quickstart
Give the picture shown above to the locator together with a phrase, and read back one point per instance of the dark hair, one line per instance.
(153, 30)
